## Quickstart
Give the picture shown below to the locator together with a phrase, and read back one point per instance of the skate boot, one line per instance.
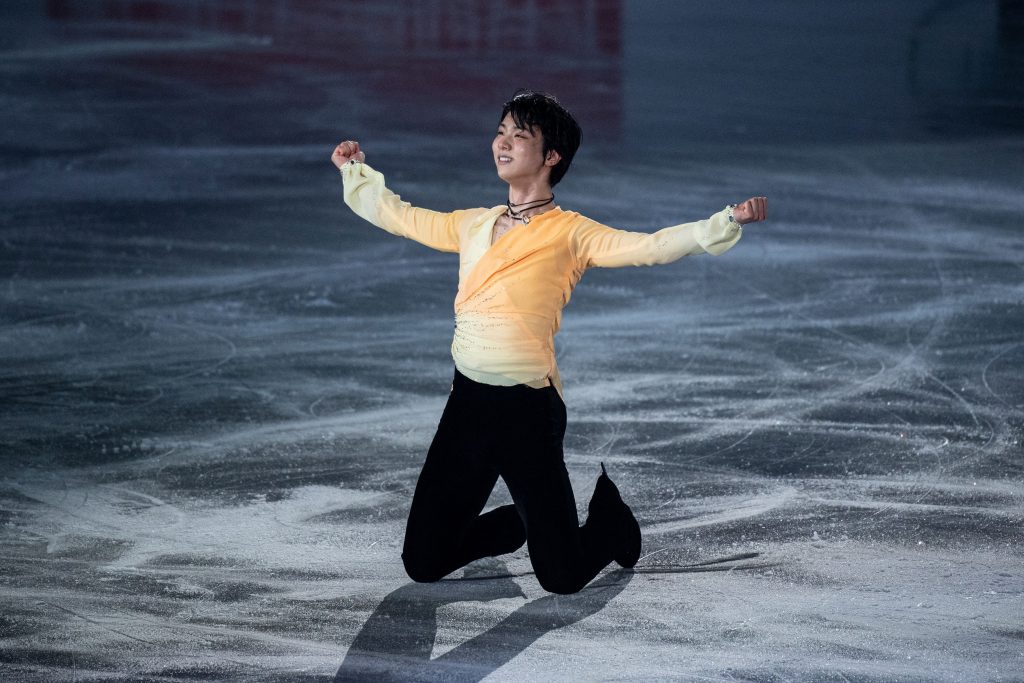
(611, 514)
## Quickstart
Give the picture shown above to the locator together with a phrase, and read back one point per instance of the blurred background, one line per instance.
(646, 73)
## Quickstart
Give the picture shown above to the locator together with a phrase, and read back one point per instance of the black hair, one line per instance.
(558, 128)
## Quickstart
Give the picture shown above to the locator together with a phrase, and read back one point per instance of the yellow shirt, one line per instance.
(509, 304)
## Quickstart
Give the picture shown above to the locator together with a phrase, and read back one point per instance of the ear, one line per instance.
(552, 158)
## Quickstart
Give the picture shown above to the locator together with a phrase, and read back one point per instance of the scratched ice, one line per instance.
(218, 384)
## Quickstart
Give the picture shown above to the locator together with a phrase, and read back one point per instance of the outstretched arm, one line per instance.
(367, 195)
(604, 247)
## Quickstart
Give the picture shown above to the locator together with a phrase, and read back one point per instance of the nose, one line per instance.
(503, 142)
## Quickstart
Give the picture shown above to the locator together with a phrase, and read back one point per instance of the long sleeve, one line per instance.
(598, 245)
(368, 197)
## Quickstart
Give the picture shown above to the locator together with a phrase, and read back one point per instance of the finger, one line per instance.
(755, 209)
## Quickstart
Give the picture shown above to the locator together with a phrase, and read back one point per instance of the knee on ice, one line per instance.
(421, 571)
(560, 584)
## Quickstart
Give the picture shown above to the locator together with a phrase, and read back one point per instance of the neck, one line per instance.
(526, 201)
(521, 193)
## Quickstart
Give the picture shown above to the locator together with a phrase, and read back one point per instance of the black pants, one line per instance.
(516, 433)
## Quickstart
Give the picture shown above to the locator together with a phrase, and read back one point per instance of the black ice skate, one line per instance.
(608, 511)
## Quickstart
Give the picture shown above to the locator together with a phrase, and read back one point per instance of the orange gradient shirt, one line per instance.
(509, 304)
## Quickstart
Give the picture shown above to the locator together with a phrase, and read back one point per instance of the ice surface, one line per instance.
(218, 384)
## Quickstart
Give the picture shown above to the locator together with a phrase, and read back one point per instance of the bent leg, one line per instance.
(445, 529)
(565, 556)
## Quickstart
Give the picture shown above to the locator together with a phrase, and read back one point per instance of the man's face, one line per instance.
(518, 153)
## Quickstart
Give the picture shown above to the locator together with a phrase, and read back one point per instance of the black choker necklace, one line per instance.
(515, 211)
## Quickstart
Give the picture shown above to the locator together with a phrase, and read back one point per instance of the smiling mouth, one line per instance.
(504, 159)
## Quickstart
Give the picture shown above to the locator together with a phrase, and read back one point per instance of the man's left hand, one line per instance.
(751, 211)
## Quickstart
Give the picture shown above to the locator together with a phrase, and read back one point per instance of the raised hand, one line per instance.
(345, 152)
(751, 211)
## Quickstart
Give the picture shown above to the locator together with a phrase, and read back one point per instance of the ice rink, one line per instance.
(217, 384)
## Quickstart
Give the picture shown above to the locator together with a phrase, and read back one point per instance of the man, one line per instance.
(518, 264)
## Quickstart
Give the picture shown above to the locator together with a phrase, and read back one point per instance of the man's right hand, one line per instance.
(345, 152)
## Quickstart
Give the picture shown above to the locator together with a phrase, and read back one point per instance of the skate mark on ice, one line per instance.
(94, 622)
(988, 366)
(717, 564)
(720, 564)
(749, 507)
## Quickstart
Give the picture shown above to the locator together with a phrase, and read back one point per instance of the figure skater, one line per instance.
(518, 264)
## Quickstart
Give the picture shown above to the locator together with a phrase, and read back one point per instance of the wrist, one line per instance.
(347, 164)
